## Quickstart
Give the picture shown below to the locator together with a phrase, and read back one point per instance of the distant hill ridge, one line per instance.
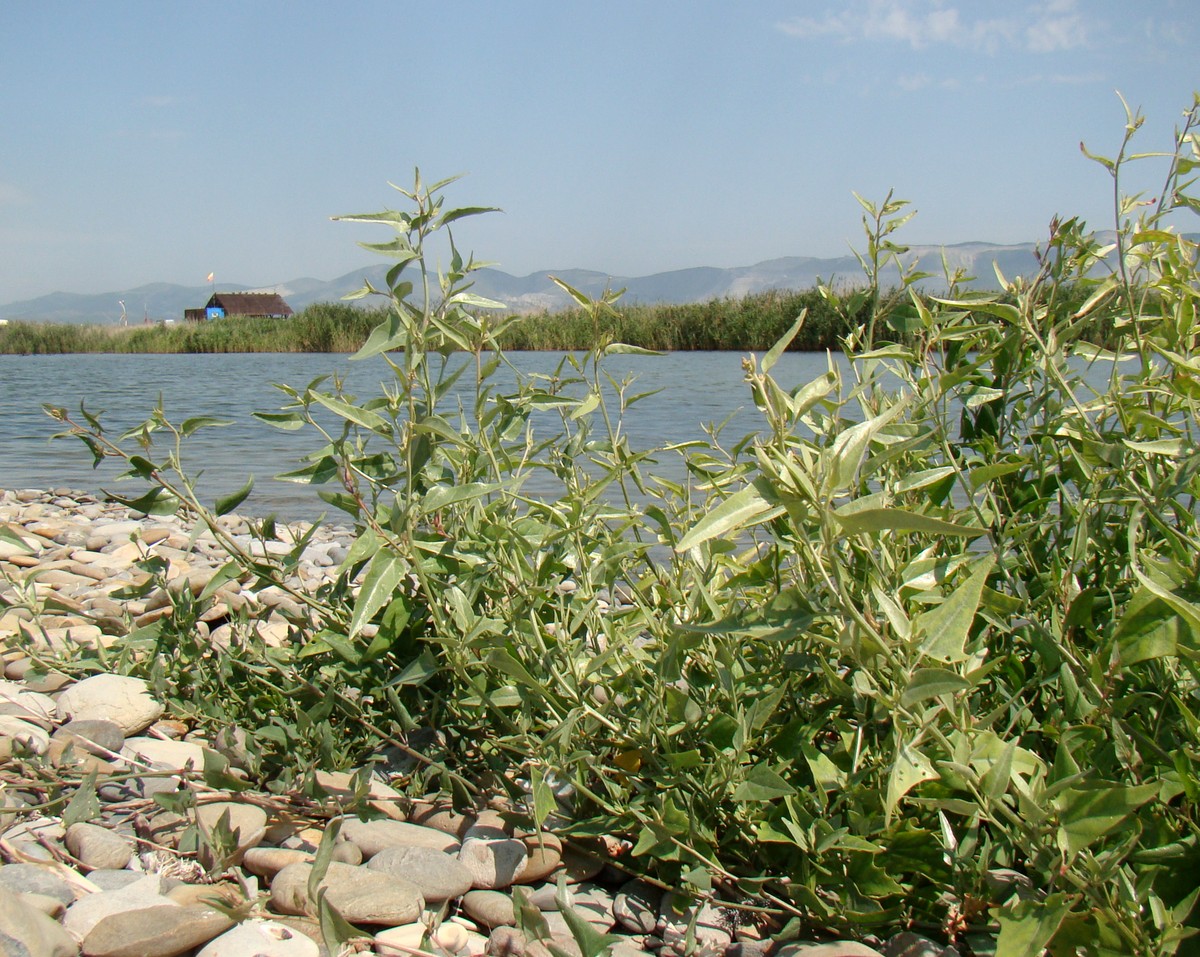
(536, 292)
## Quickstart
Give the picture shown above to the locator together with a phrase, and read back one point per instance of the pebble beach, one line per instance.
(129, 877)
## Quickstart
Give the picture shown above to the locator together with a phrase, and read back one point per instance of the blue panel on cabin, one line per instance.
(214, 312)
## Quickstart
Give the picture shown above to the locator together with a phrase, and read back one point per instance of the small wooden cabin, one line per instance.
(253, 304)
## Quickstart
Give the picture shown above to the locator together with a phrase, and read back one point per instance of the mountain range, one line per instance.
(537, 291)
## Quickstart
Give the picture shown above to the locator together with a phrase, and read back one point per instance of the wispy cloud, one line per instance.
(1038, 28)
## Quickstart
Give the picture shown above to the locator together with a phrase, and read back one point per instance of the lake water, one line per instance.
(697, 388)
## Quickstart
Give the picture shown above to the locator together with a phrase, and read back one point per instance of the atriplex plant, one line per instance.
(924, 651)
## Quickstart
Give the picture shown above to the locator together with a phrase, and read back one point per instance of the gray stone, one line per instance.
(92, 735)
(593, 903)
(908, 944)
(88, 911)
(373, 836)
(108, 880)
(545, 855)
(26, 932)
(260, 938)
(494, 859)
(98, 847)
(492, 909)
(439, 876)
(246, 822)
(567, 945)
(125, 701)
(164, 754)
(360, 895)
(506, 941)
(162, 931)
(269, 861)
(25, 735)
(839, 948)
(677, 918)
(36, 879)
(636, 907)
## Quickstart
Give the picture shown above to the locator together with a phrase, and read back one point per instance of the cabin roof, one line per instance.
(251, 303)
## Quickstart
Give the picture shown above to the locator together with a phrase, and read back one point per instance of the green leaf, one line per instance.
(336, 931)
(157, 501)
(386, 336)
(353, 413)
(384, 573)
(193, 425)
(216, 773)
(947, 627)
(84, 805)
(784, 341)
(1028, 926)
(742, 509)
(1085, 816)
(323, 857)
(932, 683)
(898, 520)
(228, 503)
(592, 943)
(288, 421)
(762, 784)
(9, 537)
(909, 769)
(623, 349)
(530, 921)
(464, 211)
(1149, 628)
(544, 803)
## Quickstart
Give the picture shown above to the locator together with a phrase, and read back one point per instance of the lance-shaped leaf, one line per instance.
(947, 627)
(353, 413)
(384, 573)
(743, 508)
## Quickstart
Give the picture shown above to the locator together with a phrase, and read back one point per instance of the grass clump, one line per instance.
(927, 640)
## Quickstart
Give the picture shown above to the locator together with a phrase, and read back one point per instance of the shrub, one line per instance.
(929, 639)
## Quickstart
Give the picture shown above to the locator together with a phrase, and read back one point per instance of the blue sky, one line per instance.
(157, 141)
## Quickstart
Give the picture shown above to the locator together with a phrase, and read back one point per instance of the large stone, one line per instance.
(98, 847)
(165, 755)
(494, 859)
(88, 911)
(490, 908)
(360, 895)
(439, 875)
(545, 855)
(26, 932)
(162, 931)
(246, 822)
(373, 836)
(260, 938)
(269, 861)
(125, 701)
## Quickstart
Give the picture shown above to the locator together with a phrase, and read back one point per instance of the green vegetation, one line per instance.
(749, 324)
(323, 327)
(923, 654)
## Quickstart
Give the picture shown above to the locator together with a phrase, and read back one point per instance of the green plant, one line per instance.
(921, 652)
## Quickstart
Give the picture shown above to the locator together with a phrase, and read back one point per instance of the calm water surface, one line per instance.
(698, 388)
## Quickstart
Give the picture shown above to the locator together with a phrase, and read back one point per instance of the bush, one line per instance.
(928, 640)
